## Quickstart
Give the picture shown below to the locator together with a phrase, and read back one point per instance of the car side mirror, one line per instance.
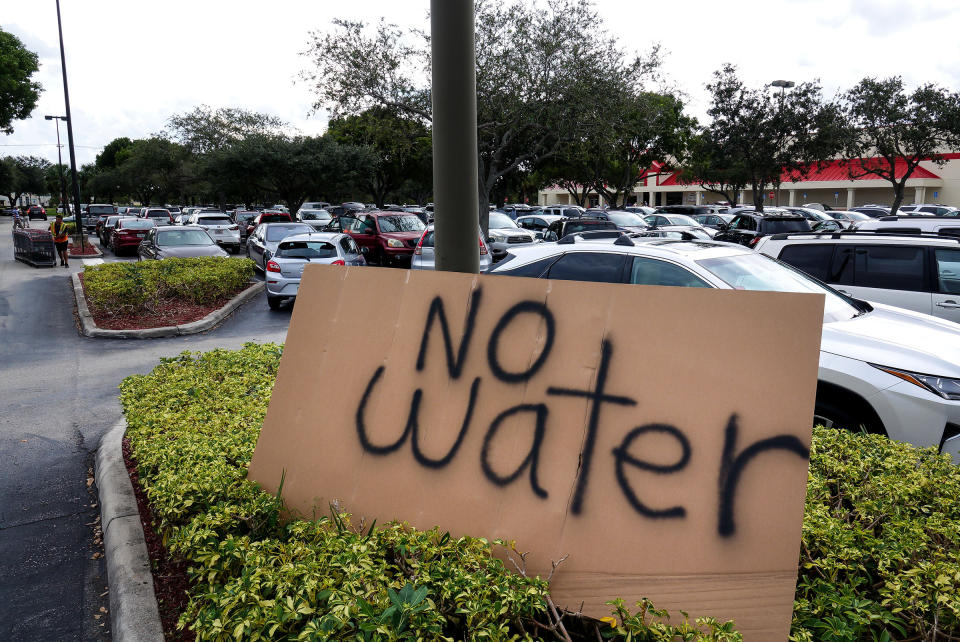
(364, 251)
(538, 235)
(550, 236)
(723, 226)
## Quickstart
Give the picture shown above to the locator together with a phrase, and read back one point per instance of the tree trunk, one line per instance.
(898, 189)
(758, 197)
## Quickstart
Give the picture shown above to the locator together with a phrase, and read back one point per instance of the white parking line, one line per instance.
(97, 261)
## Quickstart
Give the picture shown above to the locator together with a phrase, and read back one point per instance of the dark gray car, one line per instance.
(264, 240)
(182, 241)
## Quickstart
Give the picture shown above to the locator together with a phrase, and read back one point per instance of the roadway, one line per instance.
(58, 396)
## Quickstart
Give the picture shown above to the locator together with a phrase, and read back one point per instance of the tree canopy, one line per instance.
(537, 77)
(204, 129)
(886, 126)
(756, 135)
(18, 94)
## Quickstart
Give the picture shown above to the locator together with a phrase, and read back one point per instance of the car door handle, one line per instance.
(948, 304)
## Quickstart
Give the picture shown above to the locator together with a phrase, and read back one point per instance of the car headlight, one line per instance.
(942, 386)
(394, 243)
(496, 237)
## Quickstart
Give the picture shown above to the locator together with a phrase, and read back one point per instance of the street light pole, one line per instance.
(455, 171)
(73, 157)
(64, 200)
(783, 85)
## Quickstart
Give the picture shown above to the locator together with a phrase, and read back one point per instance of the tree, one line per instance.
(536, 74)
(756, 136)
(151, 168)
(400, 145)
(18, 94)
(205, 129)
(9, 177)
(285, 168)
(889, 131)
(25, 175)
(107, 158)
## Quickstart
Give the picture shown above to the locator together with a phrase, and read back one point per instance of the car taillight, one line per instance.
(273, 266)
(234, 227)
(754, 241)
(483, 248)
(338, 262)
(419, 249)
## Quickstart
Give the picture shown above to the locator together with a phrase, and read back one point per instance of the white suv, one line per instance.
(882, 369)
(916, 271)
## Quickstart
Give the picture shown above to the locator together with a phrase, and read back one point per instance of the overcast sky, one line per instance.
(132, 64)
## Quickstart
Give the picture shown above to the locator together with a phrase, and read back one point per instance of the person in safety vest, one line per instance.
(60, 239)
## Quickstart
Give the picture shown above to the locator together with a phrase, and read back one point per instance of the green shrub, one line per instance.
(146, 285)
(880, 556)
(193, 425)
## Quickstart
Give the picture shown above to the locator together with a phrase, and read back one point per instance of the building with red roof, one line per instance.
(829, 183)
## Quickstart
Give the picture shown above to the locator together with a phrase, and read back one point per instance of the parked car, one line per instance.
(943, 225)
(912, 271)
(873, 211)
(36, 212)
(178, 242)
(675, 232)
(930, 208)
(267, 216)
(385, 238)
(106, 228)
(128, 211)
(503, 232)
(243, 219)
(882, 369)
(627, 220)
(128, 232)
(566, 226)
(221, 229)
(424, 257)
(812, 215)
(569, 211)
(94, 212)
(537, 223)
(295, 252)
(848, 218)
(159, 215)
(315, 205)
(262, 244)
(317, 219)
(642, 210)
(667, 221)
(716, 221)
(748, 227)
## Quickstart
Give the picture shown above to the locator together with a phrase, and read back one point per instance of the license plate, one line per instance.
(218, 231)
(140, 236)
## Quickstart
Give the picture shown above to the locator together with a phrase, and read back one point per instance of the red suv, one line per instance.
(267, 216)
(384, 237)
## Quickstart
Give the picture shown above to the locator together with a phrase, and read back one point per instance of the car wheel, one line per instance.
(831, 415)
(274, 302)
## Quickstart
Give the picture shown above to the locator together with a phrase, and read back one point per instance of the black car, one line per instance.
(565, 226)
(747, 228)
(36, 212)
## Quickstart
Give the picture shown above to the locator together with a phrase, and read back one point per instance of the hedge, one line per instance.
(880, 555)
(123, 287)
(193, 424)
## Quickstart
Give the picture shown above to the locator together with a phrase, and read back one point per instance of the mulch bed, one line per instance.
(170, 581)
(172, 312)
(88, 249)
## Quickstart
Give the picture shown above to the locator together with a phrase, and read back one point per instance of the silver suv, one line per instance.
(919, 272)
(882, 369)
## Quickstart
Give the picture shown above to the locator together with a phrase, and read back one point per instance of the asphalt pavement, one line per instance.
(58, 396)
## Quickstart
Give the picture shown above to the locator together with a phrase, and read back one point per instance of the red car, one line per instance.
(128, 233)
(267, 216)
(385, 238)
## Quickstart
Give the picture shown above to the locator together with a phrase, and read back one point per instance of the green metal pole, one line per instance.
(73, 158)
(455, 171)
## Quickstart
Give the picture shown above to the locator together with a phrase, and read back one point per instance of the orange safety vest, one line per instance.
(60, 237)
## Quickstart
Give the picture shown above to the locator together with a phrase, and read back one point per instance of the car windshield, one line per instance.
(174, 238)
(136, 224)
(856, 216)
(626, 218)
(280, 232)
(761, 273)
(274, 218)
(159, 213)
(681, 219)
(246, 216)
(500, 221)
(401, 223)
(315, 215)
(306, 250)
(101, 209)
(780, 226)
(214, 220)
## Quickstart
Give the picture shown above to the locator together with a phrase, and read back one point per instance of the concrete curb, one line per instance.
(133, 605)
(90, 329)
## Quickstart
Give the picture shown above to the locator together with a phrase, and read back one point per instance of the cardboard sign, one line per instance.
(659, 436)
